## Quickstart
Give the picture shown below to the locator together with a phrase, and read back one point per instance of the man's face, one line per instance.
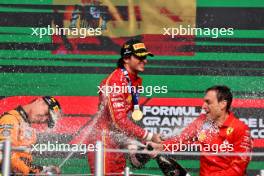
(212, 107)
(39, 112)
(136, 64)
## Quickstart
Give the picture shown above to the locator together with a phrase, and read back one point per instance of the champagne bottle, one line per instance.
(138, 160)
(169, 165)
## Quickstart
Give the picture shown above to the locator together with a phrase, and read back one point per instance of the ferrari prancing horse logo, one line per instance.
(229, 130)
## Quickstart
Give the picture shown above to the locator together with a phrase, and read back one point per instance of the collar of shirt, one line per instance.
(229, 120)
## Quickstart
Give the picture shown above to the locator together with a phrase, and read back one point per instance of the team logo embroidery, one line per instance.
(202, 136)
(229, 130)
(6, 133)
(139, 46)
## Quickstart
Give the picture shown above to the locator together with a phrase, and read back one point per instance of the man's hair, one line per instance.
(120, 63)
(223, 93)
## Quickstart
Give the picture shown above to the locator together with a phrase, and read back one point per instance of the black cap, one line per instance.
(54, 110)
(135, 47)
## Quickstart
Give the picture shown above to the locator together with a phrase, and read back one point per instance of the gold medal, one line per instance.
(137, 114)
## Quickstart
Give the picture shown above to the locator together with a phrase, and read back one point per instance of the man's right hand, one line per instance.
(156, 138)
(156, 149)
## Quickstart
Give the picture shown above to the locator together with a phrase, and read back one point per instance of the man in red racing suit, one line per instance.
(232, 136)
(215, 135)
(116, 106)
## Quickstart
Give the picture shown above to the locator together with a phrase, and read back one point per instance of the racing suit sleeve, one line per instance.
(242, 144)
(189, 134)
(9, 129)
(19, 161)
(116, 104)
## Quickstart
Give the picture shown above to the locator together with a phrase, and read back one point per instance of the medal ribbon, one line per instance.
(135, 95)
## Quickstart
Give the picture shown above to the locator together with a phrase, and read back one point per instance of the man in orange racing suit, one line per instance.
(116, 105)
(15, 125)
(217, 131)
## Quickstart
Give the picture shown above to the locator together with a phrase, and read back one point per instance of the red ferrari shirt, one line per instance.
(233, 136)
(117, 104)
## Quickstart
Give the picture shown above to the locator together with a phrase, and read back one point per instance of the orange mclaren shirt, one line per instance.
(14, 126)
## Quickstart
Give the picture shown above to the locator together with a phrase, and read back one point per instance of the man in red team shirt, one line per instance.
(221, 130)
(116, 107)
